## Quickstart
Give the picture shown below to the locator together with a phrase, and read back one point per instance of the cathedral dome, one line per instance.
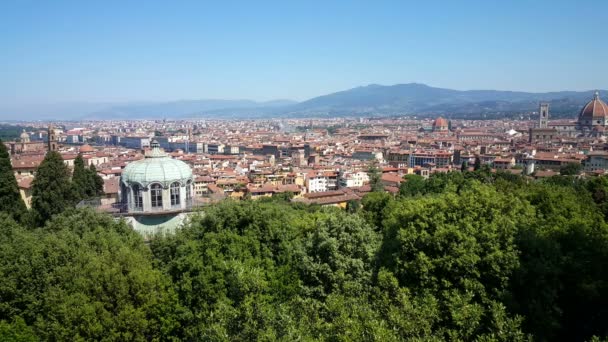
(594, 109)
(86, 148)
(440, 125)
(24, 136)
(156, 167)
(440, 122)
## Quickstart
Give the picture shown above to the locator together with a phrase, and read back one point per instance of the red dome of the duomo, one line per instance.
(440, 122)
(594, 109)
(86, 148)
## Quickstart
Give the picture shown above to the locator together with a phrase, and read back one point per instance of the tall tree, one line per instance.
(52, 191)
(85, 181)
(375, 178)
(464, 167)
(80, 179)
(10, 198)
(477, 163)
(353, 206)
(412, 185)
(570, 169)
(96, 182)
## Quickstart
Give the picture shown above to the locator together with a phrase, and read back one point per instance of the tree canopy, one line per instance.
(570, 169)
(375, 178)
(472, 256)
(10, 197)
(52, 191)
(83, 277)
(86, 182)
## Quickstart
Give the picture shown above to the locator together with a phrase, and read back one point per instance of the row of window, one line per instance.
(156, 195)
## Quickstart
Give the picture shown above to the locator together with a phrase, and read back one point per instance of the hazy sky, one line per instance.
(78, 51)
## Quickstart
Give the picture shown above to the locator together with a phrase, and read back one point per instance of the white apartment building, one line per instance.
(316, 182)
(353, 179)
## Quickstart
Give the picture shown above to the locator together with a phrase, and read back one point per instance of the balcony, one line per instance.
(125, 208)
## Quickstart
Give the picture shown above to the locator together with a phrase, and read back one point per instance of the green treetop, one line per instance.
(477, 163)
(86, 182)
(52, 191)
(95, 181)
(570, 169)
(80, 179)
(10, 198)
(375, 178)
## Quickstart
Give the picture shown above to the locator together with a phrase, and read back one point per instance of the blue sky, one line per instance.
(81, 51)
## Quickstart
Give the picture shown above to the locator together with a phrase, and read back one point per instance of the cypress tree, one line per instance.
(477, 163)
(464, 167)
(375, 178)
(95, 181)
(52, 191)
(10, 198)
(80, 180)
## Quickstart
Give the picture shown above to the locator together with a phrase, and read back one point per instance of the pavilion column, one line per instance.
(167, 198)
(147, 199)
(182, 196)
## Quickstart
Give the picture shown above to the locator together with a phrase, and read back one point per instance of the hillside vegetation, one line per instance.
(459, 257)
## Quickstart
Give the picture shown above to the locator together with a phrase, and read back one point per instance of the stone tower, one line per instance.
(52, 139)
(543, 112)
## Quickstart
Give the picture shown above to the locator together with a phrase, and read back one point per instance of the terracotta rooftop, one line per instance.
(594, 109)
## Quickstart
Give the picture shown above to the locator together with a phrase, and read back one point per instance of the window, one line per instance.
(138, 200)
(175, 193)
(188, 191)
(156, 192)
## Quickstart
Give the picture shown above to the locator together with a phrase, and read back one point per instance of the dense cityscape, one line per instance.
(314, 161)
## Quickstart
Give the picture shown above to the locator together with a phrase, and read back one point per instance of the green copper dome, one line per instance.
(156, 167)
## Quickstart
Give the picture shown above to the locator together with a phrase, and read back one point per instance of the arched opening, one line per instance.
(156, 195)
(175, 200)
(138, 199)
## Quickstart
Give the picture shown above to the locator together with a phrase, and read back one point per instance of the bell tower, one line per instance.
(52, 139)
(543, 112)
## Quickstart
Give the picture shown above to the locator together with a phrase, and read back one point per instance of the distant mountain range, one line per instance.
(414, 98)
(372, 100)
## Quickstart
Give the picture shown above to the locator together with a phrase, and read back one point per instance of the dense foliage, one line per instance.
(11, 132)
(52, 192)
(470, 256)
(571, 169)
(86, 182)
(375, 177)
(10, 198)
(83, 277)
